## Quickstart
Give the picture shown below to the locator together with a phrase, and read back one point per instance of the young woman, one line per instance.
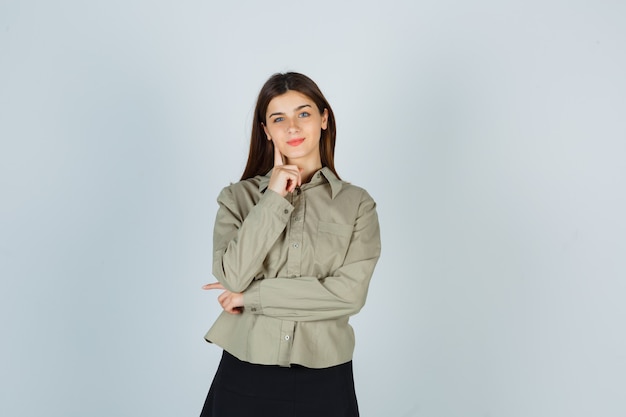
(294, 248)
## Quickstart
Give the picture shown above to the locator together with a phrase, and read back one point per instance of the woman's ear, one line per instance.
(267, 133)
(325, 119)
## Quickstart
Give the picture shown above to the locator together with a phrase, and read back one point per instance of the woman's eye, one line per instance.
(305, 114)
(278, 119)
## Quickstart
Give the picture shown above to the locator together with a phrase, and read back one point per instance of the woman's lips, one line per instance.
(295, 142)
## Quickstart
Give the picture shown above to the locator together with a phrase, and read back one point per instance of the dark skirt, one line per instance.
(242, 389)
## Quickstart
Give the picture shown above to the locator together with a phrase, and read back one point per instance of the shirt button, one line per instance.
(287, 337)
(253, 309)
(295, 245)
(286, 211)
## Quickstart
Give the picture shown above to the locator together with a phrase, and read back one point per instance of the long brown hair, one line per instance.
(261, 155)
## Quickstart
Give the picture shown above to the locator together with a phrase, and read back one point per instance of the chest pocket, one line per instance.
(331, 245)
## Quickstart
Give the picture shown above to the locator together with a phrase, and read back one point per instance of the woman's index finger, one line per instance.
(278, 157)
(213, 286)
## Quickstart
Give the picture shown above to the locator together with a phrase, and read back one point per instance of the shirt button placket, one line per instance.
(296, 228)
(286, 341)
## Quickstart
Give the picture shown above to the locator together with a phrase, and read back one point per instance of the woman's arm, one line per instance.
(312, 298)
(240, 245)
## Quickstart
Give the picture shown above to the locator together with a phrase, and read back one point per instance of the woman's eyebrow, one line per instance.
(296, 109)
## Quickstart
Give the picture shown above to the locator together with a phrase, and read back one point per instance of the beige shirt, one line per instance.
(303, 263)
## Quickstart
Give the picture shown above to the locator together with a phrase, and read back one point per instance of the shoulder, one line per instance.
(242, 191)
(354, 192)
(354, 201)
(251, 184)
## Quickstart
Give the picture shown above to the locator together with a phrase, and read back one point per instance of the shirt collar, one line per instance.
(324, 174)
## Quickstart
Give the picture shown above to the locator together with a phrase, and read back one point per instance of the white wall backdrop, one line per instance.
(491, 133)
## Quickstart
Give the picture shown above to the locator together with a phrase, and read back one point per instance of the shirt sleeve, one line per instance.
(240, 245)
(311, 298)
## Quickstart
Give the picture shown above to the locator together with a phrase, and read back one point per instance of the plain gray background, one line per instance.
(491, 133)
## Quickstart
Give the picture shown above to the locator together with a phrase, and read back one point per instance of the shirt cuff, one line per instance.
(252, 298)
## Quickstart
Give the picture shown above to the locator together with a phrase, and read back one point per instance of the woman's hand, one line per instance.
(231, 302)
(285, 178)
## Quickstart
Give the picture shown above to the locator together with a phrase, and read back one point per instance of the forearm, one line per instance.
(341, 293)
(310, 298)
(241, 246)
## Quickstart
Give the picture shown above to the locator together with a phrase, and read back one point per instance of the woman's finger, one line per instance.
(213, 286)
(278, 157)
(222, 296)
(285, 178)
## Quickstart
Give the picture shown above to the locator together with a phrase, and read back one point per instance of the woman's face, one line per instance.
(294, 124)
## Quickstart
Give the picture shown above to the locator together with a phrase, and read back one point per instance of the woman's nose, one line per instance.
(293, 125)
